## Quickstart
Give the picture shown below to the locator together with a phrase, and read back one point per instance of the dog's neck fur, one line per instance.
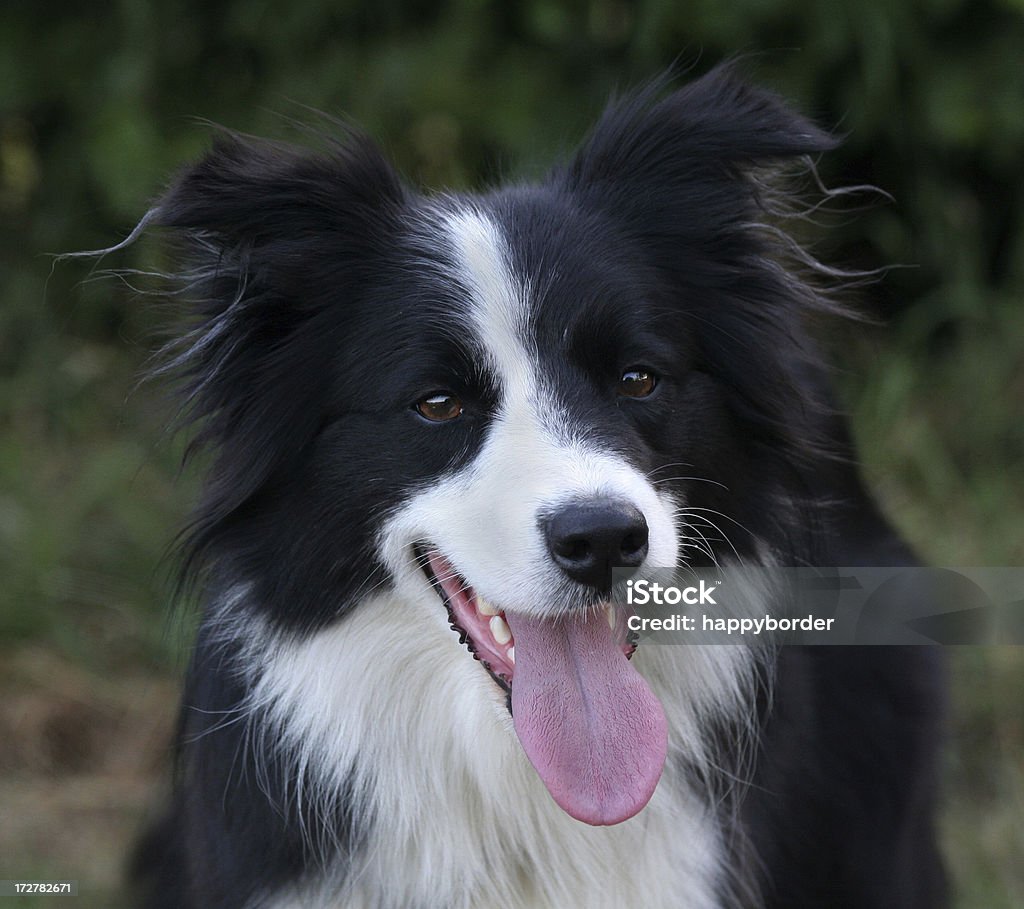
(454, 814)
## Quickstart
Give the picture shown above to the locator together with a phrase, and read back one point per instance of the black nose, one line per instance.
(588, 539)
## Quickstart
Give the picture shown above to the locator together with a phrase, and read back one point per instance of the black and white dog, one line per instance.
(435, 423)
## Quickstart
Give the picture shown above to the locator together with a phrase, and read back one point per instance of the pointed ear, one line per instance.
(686, 180)
(249, 196)
(716, 125)
(274, 241)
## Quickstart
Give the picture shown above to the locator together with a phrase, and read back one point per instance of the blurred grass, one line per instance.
(939, 421)
(930, 412)
(88, 494)
(982, 823)
(83, 759)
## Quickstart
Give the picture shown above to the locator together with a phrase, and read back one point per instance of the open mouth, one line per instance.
(587, 720)
(484, 628)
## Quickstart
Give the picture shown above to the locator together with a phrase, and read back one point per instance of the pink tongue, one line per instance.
(586, 719)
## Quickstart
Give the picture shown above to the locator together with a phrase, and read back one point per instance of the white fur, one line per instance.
(388, 707)
(389, 704)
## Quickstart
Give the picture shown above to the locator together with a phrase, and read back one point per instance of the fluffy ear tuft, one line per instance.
(686, 180)
(718, 123)
(247, 192)
(276, 243)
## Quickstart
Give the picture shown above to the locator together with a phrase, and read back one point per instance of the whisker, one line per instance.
(693, 479)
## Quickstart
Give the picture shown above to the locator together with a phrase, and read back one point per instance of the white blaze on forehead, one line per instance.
(499, 300)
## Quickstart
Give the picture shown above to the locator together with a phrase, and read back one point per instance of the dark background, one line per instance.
(99, 104)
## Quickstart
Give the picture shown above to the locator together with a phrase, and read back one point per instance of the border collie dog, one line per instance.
(434, 425)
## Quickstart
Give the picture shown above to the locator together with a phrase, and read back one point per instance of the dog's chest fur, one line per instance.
(450, 812)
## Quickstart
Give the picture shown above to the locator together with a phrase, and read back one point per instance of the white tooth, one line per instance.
(512, 655)
(499, 630)
(485, 608)
(613, 619)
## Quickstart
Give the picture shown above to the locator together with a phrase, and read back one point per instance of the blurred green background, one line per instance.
(99, 103)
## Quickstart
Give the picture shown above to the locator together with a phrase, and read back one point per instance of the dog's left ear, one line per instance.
(686, 180)
(716, 128)
(685, 173)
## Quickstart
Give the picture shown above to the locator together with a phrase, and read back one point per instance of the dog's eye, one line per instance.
(439, 407)
(637, 383)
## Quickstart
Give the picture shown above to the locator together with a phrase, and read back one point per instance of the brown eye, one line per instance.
(439, 408)
(637, 383)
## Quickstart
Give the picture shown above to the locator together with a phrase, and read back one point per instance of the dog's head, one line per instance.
(498, 399)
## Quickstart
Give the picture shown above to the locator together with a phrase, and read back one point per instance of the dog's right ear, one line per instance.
(250, 202)
(275, 242)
